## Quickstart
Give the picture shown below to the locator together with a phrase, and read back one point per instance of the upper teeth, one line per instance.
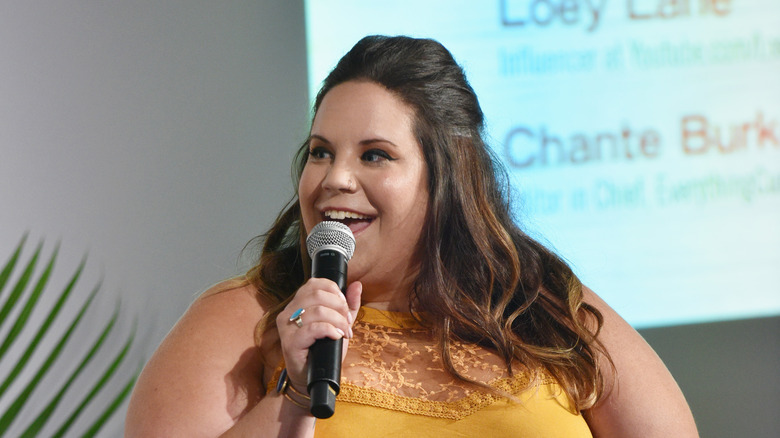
(338, 215)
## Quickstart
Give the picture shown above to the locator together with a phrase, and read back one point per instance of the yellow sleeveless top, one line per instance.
(394, 384)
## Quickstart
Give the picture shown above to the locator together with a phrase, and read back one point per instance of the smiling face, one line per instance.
(366, 169)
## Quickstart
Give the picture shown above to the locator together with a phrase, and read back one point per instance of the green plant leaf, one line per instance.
(46, 412)
(97, 387)
(13, 410)
(21, 284)
(27, 317)
(110, 409)
(44, 328)
(5, 274)
(32, 300)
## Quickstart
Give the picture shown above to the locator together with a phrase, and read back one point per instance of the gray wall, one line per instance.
(729, 372)
(157, 137)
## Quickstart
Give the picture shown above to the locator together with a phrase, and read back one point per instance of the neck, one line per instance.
(390, 291)
(393, 299)
(387, 305)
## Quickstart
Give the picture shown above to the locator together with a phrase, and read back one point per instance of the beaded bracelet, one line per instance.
(282, 387)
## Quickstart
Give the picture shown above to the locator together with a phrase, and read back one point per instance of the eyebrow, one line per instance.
(366, 142)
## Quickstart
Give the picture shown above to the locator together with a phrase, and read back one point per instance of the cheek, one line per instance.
(408, 195)
(307, 188)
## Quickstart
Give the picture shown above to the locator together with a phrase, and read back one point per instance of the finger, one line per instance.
(322, 289)
(332, 311)
(353, 295)
(310, 332)
(309, 296)
(319, 290)
(302, 339)
(325, 285)
(334, 317)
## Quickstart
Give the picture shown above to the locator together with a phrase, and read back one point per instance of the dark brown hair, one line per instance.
(521, 300)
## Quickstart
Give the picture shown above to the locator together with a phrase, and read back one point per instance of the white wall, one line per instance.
(154, 135)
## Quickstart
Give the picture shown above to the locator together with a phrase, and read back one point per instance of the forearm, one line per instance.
(274, 416)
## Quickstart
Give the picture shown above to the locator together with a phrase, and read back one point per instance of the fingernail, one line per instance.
(350, 318)
(350, 333)
(341, 332)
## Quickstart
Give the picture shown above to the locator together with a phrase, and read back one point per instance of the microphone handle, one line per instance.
(324, 376)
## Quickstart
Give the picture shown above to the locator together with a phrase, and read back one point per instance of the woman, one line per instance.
(455, 322)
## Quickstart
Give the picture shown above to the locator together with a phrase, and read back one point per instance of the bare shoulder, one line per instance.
(207, 372)
(642, 398)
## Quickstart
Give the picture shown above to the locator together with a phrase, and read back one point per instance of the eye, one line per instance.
(319, 153)
(375, 156)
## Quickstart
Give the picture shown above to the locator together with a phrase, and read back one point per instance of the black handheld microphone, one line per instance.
(330, 245)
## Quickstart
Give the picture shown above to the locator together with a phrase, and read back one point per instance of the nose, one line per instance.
(340, 177)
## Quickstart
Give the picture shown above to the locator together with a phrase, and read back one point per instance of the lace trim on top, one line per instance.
(394, 363)
(454, 410)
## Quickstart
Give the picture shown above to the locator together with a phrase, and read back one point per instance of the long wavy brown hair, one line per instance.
(481, 279)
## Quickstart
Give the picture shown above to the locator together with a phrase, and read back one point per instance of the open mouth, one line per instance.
(355, 221)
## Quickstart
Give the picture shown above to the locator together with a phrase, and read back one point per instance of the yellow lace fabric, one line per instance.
(394, 384)
(394, 364)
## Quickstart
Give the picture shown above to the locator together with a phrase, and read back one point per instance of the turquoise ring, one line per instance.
(296, 317)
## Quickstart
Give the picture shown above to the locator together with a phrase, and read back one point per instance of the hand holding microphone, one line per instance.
(318, 316)
(330, 245)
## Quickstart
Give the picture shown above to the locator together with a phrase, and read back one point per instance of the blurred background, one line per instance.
(156, 139)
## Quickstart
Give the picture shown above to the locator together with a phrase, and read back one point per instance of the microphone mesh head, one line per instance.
(332, 234)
